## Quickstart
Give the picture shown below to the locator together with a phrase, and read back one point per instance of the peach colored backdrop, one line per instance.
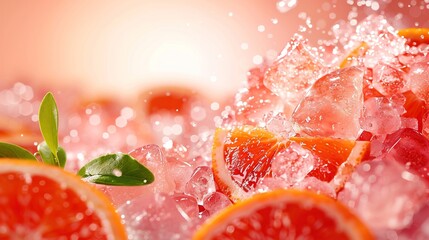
(116, 47)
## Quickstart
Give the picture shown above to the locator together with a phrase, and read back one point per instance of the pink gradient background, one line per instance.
(118, 47)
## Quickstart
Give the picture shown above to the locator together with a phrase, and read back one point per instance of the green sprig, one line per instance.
(112, 169)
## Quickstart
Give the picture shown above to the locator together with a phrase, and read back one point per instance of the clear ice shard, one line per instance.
(295, 70)
(384, 194)
(332, 106)
(154, 216)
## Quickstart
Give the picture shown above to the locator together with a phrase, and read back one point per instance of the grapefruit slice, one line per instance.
(337, 157)
(415, 36)
(243, 155)
(285, 214)
(39, 201)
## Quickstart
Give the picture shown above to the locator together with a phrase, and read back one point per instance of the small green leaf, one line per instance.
(49, 158)
(8, 150)
(116, 169)
(48, 122)
(62, 157)
(46, 154)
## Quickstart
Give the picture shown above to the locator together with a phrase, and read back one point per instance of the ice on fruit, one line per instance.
(255, 76)
(419, 84)
(187, 205)
(418, 229)
(153, 158)
(381, 116)
(388, 80)
(279, 124)
(253, 102)
(215, 202)
(316, 185)
(292, 164)
(332, 106)
(154, 216)
(179, 170)
(384, 194)
(383, 42)
(409, 148)
(201, 183)
(295, 70)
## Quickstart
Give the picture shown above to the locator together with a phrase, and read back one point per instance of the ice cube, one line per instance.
(295, 70)
(215, 202)
(377, 145)
(412, 56)
(292, 164)
(278, 124)
(252, 103)
(201, 183)
(419, 227)
(384, 194)
(152, 157)
(419, 84)
(388, 80)
(332, 106)
(411, 149)
(315, 185)
(410, 123)
(187, 205)
(271, 183)
(154, 216)
(380, 116)
(383, 42)
(179, 172)
(371, 27)
(255, 76)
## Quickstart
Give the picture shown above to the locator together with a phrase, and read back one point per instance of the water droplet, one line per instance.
(117, 172)
(285, 5)
(258, 59)
(94, 120)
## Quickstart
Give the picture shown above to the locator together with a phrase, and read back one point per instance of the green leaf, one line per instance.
(48, 122)
(8, 150)
(49, 158)
(46, 154)
(62, 157)
(116, 169)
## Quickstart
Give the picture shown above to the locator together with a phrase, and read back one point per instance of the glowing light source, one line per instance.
(175, 58)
